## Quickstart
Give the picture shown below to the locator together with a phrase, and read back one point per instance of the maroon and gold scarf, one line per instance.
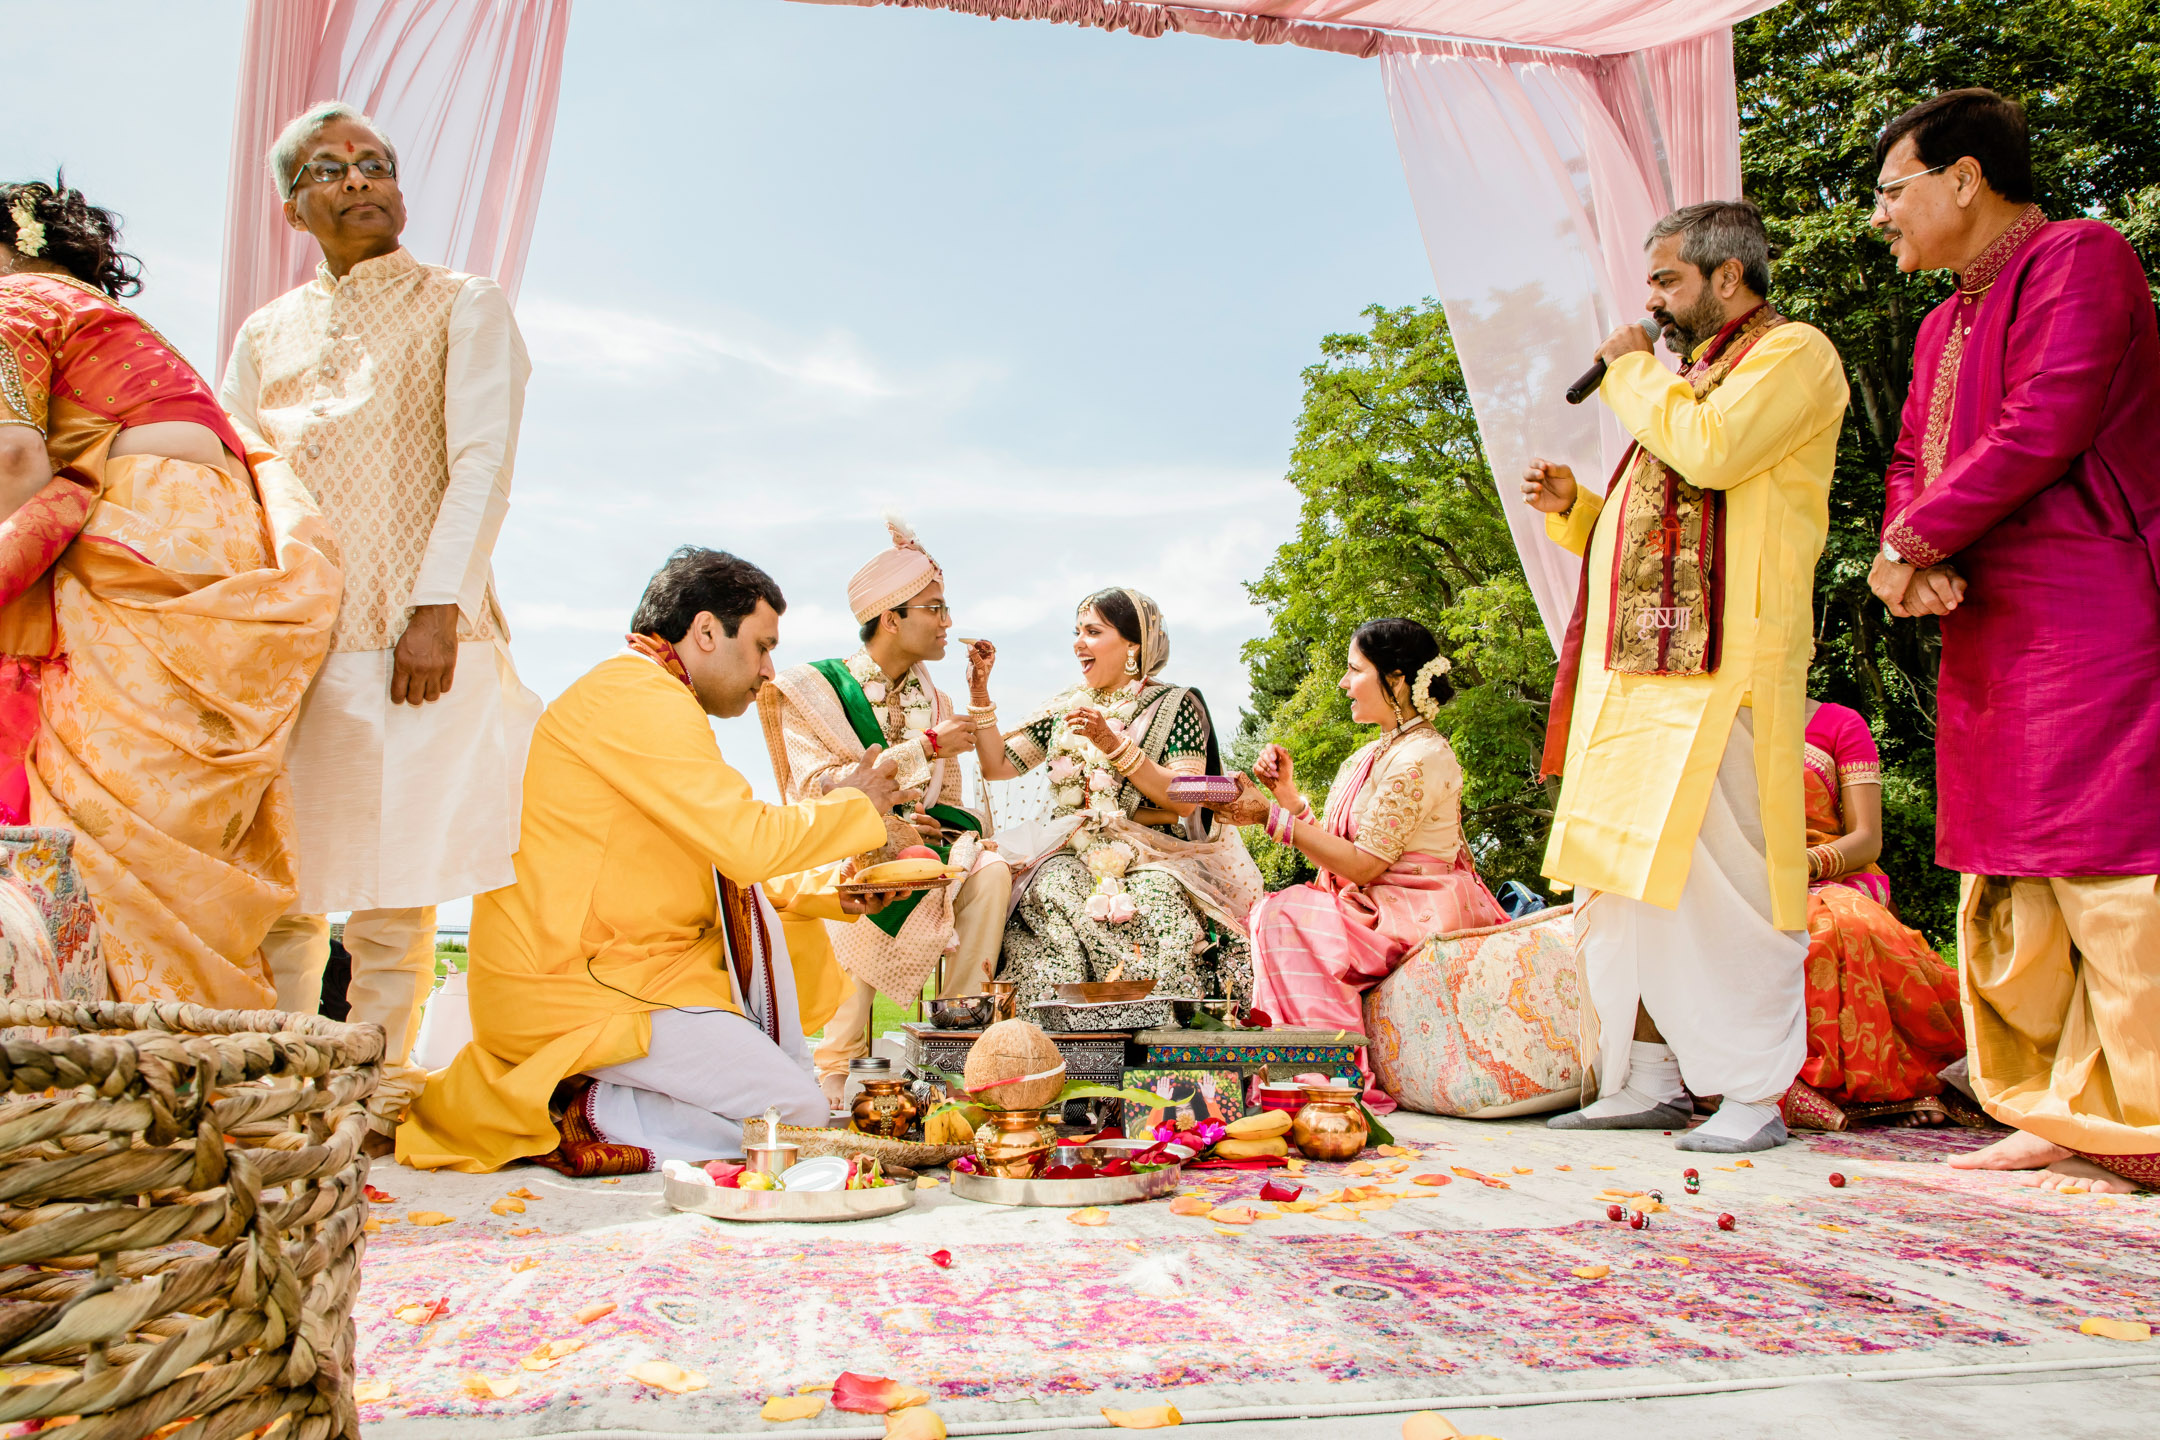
(1668, 580)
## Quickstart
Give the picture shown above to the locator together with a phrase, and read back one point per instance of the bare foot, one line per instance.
(2018, 1151)
(834, 1087)
(2076, 1176)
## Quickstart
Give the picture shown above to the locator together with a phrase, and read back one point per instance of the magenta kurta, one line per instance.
(2041, 485)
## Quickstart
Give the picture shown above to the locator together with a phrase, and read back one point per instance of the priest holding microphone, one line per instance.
(1680, 703)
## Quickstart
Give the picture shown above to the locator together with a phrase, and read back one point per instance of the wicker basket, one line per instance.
(181, 1201)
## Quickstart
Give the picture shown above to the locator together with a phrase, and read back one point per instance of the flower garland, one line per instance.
(1083, 779)
(29, 230)
(1426, 705)
(909, 697)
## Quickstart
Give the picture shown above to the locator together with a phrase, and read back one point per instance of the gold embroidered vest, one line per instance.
(352, 376)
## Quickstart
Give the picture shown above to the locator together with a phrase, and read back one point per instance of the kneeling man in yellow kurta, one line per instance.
(638, 975)
(1680, 704)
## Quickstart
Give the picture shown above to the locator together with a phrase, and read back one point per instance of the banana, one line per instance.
(900, 872)
(1251, 1149)
(1259, 1126)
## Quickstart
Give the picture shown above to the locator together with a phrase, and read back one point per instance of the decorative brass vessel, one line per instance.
(1005, 994)
(884, 1107)
(1014, 1144)
(1329, 1126)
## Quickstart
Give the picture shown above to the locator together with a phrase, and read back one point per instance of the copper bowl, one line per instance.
(1106, 992)
(964, 1012)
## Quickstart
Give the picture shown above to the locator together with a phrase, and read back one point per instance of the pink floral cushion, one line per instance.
(1482, 1022)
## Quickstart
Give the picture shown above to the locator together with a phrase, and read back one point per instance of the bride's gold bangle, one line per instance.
(1127, 757)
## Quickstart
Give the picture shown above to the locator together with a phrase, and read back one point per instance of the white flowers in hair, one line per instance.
(1426, 705)
(29, 230)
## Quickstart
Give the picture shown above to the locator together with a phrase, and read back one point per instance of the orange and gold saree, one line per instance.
(161, 620)
(1882, 1007)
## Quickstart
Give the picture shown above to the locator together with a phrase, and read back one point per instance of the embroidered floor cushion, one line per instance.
(1482, 1023)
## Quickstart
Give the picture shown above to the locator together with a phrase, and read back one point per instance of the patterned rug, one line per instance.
(1464, 1289)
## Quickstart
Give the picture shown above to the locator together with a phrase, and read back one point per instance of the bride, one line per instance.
(1119, 879)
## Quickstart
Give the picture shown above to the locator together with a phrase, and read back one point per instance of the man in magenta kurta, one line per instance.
(2023, 508)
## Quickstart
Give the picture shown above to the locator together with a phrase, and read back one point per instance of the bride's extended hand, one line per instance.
(1093, 726)
(1276, 770)
(982, 657)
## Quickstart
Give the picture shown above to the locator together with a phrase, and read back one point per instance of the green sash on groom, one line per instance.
(867, 731)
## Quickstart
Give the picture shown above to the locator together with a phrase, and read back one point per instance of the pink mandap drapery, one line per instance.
(1541, 139)
(465, 89)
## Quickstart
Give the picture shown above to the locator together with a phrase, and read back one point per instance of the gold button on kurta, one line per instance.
(628, 810)
(1643, 750)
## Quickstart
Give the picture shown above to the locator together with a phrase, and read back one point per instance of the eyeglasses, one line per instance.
(936, 609)
(1884, 194)
(330, 172)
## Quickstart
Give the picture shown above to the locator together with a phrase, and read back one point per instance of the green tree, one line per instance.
(1399, 511)
(1400, 517)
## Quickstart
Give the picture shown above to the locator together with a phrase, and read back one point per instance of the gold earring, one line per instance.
(1132, 662)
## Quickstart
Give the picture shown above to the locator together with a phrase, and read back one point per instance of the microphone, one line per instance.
(1595, 375)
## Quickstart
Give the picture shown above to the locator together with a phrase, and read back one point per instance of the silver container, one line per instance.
(1108, 1190)
(796, 1206)
(964, 1012)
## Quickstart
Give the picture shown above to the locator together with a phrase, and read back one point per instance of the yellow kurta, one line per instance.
(628, 809)
(1643, 750)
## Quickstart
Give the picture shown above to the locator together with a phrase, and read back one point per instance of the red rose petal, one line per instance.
(942, 1259)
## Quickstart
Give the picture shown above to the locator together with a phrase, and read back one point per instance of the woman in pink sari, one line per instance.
(1394, 869)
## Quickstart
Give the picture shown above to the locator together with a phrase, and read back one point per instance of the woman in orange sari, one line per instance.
(1882, 1007)
(164, 603)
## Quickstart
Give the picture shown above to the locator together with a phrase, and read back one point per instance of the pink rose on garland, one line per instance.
(1062, 769)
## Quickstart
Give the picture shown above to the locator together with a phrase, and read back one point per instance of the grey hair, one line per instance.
(285, 151)
(1716, 231)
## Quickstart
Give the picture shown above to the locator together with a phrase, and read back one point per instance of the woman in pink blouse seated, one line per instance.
(1394, 869)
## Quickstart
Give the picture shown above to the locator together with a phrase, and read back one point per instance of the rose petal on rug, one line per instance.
(521, 1193)
(428, 1217)
(488, 1387)
(666, 1375)
(1490, 1182)
(875, 1395)
(1429, 1425)
(367, 1392)
(524, 1263)
(1191, 1205)
(942, 1259)
(521, 1231)
(1154, 1417)
(1233, 1215)
(914, 1425)
(379, 1197)
(2116, 1329)
(793, 1407)
(599, 1309)
(508, 1205)
(1089, 1215)
(1591, 1272)
(1432, 1179)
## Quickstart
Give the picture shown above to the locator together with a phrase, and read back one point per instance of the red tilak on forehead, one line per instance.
(348, 147)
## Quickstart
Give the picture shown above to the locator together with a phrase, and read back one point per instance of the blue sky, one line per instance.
(1045, 291)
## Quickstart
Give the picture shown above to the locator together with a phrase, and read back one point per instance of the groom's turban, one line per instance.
(894, 577)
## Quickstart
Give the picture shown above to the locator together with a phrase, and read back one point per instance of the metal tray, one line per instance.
(1110, 1190)
(797, 1206)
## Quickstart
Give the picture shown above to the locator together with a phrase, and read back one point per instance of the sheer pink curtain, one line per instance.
(465, 89)
(1535, 177)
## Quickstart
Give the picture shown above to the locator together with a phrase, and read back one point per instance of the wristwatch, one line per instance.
(1889, 553)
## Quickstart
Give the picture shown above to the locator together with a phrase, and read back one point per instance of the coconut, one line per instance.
(1007, 1051)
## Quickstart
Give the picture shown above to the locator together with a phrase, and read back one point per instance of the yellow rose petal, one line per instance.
(593, 1312)
(665, 1375)
(2116, 1329)
(1591, 1272)
(1154, 1417)
(428, 1217)
(367, 1392)
(793, 1407)
(1089, 1215)
(489, 1387)
(1429, 1425)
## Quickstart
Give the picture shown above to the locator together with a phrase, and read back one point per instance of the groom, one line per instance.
(822, 717)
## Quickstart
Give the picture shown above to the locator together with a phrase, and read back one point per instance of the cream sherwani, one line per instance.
(1700, 877)
(395, 392)
(811, 740)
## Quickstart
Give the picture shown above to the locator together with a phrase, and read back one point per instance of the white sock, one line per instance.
(1737, 1121)
(1653, 1080)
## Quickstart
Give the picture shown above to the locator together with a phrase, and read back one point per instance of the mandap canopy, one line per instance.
(1541, 139)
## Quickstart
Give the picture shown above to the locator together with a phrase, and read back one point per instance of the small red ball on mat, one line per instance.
(1613, 1212)
(1726, 1222)
(1837, 1181)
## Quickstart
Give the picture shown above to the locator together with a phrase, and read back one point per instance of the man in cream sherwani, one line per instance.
(395, 389)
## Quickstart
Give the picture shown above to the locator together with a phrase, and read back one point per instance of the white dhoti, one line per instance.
(1726, 988)
(706, 1071)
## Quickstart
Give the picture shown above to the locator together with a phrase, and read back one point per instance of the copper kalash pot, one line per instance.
(1329, 1125)
(884, 1107)
(1013, 1144)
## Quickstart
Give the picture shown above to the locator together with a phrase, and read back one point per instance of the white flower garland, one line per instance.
(29, 230)
(917, 709)
(1086, 780)
(1426, 705)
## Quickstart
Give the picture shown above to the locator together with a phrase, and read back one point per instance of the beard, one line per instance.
(1690, 327)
